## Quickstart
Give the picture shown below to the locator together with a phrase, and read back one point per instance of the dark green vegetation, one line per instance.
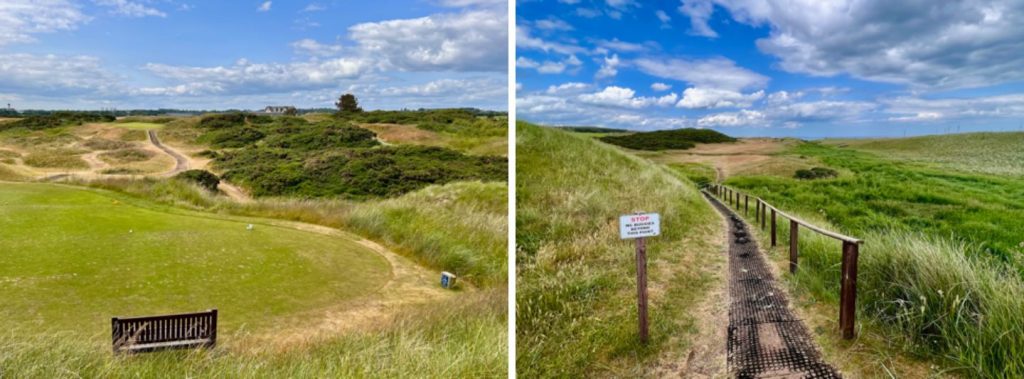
(289, 156)
(203, 178)
(593, 129)
(815, 173)
(941, 270)
(55, 120)
(676, 139)
(576, 291)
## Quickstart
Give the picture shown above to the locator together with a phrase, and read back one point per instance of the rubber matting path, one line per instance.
(765, 339)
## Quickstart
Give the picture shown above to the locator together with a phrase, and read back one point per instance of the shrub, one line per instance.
(203, 178)
(98, 143)
(678, 139)
(816, 173)
(126, 155)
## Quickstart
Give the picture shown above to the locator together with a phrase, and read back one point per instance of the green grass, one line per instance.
(992, 153)
(461, 338)
(698, 173)
(126, 156)
(73, 258)
(940, 273)
(56, 158)
(676, 139)
(139, 125)
(576, 299)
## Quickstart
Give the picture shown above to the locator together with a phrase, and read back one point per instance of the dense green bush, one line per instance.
(56, 120)
(816, 173)
(355, 173)
(677, 139)
(203, 178)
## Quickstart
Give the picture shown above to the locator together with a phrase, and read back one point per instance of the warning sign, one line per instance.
(639, 225)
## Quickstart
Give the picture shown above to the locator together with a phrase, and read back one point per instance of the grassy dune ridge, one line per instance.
(991, 153)
(940, 273)
(576, 304)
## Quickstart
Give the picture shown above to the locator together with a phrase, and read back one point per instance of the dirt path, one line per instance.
(181, 163)
(766, 339)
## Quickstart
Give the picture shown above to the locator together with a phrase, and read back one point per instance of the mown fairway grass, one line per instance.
(940, 271)
(576, 294)
(139, 125)
(72, 258)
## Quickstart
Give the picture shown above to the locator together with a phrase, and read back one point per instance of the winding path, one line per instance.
(180, 162)
(766, 340)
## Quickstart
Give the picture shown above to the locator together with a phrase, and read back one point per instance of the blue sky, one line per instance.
(92, 54)
(801, 68)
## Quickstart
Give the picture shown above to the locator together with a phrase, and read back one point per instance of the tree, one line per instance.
(347, 103)
(291, 111)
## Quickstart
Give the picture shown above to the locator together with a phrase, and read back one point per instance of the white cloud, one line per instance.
(547, 67)
(53, 74)
(264, 7)
(742, 118)
(247, 77)
(20, 19)
(311, 47)
(621, 46)
(703, 98)
(314, 7)
(625, 97)
(711, 73)
(663, 17)
(924, 44)
(524, 40)
(131, 9)
(609, 68)
(553, 23)
(468, 41)
(567, 88)
(918, 109)
(660, 86)
(699, 12)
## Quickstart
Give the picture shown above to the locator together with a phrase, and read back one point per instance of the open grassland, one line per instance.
(73, 258)
(576, 294)
(992, 153)
(86, 149)
(940, 273)
(139, 125)
(495, 143)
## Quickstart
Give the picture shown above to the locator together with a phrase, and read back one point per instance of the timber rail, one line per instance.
(850, 246)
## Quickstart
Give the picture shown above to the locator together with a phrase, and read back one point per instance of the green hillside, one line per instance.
(576, 296)
(992, 153)
(676, 139)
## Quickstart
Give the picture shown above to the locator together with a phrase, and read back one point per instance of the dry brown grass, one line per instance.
(406, 134)
(753, 156)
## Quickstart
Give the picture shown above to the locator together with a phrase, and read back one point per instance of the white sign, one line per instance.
(639, 225)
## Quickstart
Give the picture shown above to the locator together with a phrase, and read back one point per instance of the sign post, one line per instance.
(639, 226)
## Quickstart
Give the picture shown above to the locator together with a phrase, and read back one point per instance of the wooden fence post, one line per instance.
(757, 210)
(848, 290)
(773, 227)
(641, 288)
(764, 214)
(794, 240)
(746, 204)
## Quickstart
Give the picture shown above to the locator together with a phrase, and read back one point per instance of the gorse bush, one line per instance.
(203, 178)
(816, 173)
(290, 156)
(677, 139)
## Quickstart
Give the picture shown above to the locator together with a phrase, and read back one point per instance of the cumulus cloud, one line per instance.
(21, 19)
(567, 88)
(742, 118)
(710, 73)
(468, 41)
(699, 12)
(924, 44)
(660, 86)
(625, 97)
(248, 77)
(610, 67)
(264, 7)
(663, 17)
(131, 9)
(525, 40)
(53, 74)
(553, 23)
(698, 97)
(919, 109)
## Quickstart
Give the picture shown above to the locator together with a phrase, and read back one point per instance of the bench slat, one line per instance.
(165, 331)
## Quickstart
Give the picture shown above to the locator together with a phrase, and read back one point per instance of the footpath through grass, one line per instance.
(940, 273)
(576, 291)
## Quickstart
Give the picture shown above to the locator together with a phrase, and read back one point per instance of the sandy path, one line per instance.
(181, 163)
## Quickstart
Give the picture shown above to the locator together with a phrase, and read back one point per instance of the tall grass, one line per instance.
(933, 296)
(462, 338)
(576, 304)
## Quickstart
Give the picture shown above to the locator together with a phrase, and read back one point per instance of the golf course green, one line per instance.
(71, 258)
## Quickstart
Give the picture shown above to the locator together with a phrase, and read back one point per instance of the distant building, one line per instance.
(279, 109)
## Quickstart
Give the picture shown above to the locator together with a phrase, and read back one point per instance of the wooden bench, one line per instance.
(140, 334)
